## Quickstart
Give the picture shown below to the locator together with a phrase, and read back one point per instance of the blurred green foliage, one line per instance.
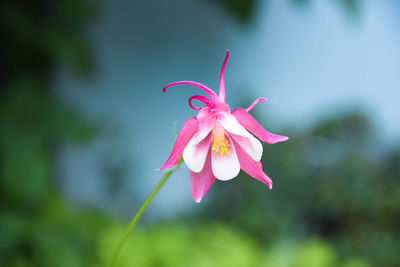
(36, 228)
(216, 244)
(243, 11)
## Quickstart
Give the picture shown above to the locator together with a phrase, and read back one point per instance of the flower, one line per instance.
(217, 144)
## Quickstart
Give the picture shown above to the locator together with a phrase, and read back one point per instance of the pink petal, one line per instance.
(210, 92)
(195, 154)
(202, 181)
(247, 121)
(255, 103)
(201, 98)
(252, 167)
(222, 79)
(188, 130)
(225, 167)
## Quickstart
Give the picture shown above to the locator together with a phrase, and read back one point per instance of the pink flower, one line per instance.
(217, 143)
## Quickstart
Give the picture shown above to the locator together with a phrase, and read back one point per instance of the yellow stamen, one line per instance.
(220, 143)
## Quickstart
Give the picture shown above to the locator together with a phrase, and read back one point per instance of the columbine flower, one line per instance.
(216, 144)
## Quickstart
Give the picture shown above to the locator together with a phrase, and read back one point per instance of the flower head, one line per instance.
(217, 143)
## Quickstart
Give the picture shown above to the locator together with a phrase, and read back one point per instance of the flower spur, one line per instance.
(217, 143)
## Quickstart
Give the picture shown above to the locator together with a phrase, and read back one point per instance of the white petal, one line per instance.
(230, 123)
(226, 167)
(195, 155)
(251, 145)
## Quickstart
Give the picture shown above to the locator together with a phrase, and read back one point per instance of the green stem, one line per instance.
(140, 212)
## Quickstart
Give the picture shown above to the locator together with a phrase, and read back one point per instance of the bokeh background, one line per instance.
(84, 125)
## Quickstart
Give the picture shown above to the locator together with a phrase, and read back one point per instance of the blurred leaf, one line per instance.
(242, 10)
(68, 50)
(352, 6)
(35, 36)
(315, 253)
